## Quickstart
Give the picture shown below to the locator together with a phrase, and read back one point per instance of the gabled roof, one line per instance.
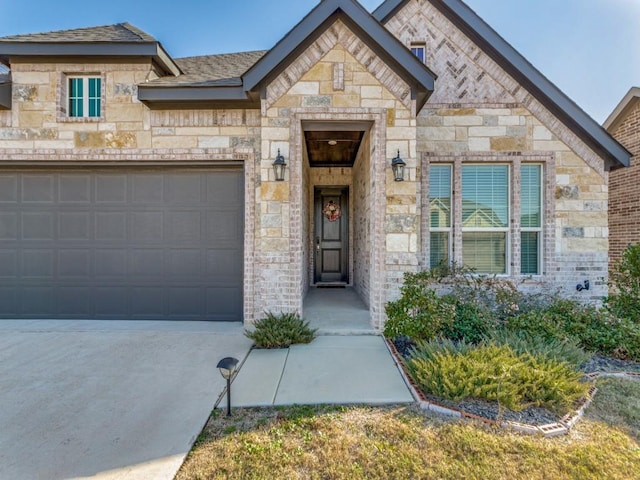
(517, 66)
(627, 103)
(120, 40)
(271, 63)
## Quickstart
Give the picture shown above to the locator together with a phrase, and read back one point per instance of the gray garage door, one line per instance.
(113, 244)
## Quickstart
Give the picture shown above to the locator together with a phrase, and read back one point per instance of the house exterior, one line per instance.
(136, 185)
(624, 188)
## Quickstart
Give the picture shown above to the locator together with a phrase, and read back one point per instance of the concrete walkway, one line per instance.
(331, 369)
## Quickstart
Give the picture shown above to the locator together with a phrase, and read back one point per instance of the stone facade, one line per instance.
(477, 113)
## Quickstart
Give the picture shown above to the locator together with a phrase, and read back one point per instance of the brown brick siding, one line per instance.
(624, 189)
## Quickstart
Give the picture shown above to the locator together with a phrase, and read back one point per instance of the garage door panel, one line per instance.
(74, 189)
(111, 226)
(110, 302)
(38, 302)
(184, 227)
(223, 303)
(184, 189)
(74, 226)
(8, 226)
(110, 263)
(136, 244)
(146, 226)
(147, 189)
(74, 264)
(38, 264)
(74, 302)
(8, 264)
(111, 189)
(38, 189)
(38, 226)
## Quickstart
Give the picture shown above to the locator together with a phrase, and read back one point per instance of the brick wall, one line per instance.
(624, 188)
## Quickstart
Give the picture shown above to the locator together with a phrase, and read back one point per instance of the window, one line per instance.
(485, 217)
(418, 49)
(85, 97)
(476, 224)
(530, 219)
(440, 214)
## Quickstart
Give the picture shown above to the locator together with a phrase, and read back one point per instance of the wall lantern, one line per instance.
(227, 368)
(278, 167)
(397, 165)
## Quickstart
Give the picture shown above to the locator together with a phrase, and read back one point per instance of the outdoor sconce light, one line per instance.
(278, 167)
(227, 368)
(583, 286)
(397, 165)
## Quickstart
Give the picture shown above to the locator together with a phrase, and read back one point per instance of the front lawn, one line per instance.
(397, 442)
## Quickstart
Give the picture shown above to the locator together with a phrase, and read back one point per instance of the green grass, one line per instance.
(398, 442)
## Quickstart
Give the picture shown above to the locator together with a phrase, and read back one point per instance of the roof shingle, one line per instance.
(119, 33)
(211, 70)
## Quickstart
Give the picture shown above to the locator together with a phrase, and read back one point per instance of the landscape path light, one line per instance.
(227, 367)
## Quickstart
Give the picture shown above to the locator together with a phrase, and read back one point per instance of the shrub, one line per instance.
(594, 330)
(278, 331)
(565, 350)
(624, 299)
(495, 373)
(471, 324)
(419, 313)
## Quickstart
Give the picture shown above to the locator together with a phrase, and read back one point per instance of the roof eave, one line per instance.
(90, 49)
(198, 96)
(357, 18)
(632, 96)
(5, 96)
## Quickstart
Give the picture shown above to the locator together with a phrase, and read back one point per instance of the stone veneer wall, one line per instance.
(479, 111)
(624, 207)
(361, 221)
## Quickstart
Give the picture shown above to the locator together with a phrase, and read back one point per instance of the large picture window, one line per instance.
(485, 234)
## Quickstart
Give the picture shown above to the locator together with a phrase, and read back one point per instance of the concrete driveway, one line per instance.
(108, 400)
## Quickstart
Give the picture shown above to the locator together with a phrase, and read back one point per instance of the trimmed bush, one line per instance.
(595, 330)
(624, 299)
(495, 373)
(279, 331)
(567, 350)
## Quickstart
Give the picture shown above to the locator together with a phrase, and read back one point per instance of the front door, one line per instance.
(331, 242)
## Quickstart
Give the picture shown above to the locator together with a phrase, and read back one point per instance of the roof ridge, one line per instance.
(223, 54)
(141, 34)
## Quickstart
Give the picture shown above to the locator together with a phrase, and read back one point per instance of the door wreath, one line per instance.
(332, 211)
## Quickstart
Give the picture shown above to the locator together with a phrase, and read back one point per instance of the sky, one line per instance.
(586, 47)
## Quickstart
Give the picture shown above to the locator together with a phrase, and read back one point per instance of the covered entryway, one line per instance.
(331, 236)
(107, 243)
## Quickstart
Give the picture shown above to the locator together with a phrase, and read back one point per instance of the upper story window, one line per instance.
(85, 97)
(418, 49)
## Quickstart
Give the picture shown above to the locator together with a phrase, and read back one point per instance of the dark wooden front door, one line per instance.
(331, 242)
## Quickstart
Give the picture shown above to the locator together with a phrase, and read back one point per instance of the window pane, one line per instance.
(418, 51)
(439, 249)
(440, 196)
(94, 97)
(485, 252)
(75, 97)
(531, 197)
(529, 248)
(485, 196)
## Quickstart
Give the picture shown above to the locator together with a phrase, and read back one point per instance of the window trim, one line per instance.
(63, 110)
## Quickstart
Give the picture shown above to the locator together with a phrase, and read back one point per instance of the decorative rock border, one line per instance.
(562, 427)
